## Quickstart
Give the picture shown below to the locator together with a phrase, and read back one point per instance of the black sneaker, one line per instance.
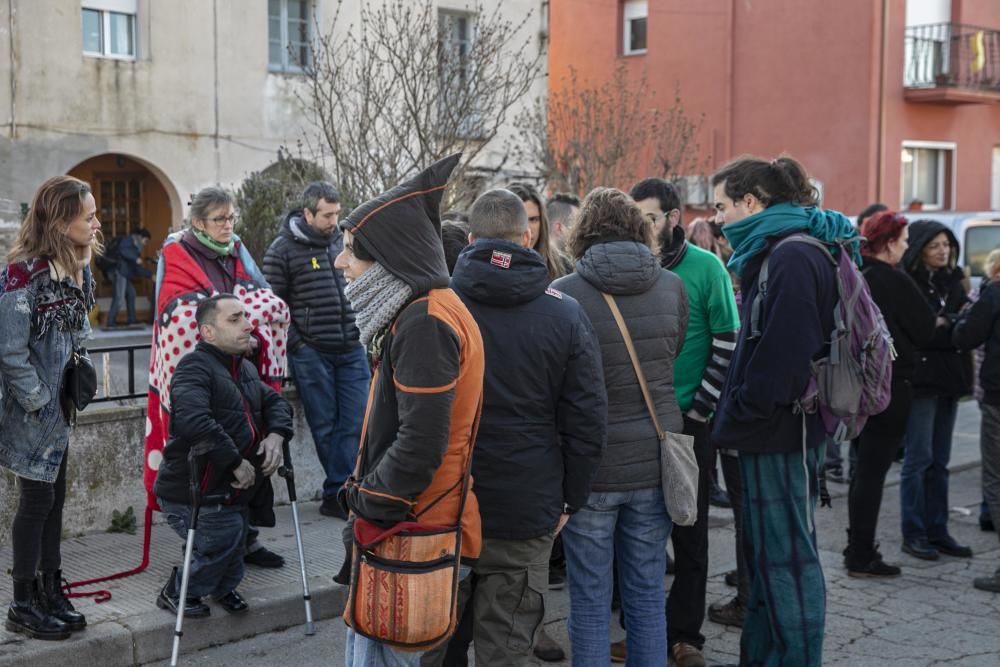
(920, 548)
(264, 558)
(732, 578)
(991, 584)
(873, 568)
(330, 507)
(719, 497)
(728, 613)
(949, 547)
(547, 649)
(233, 602)
(168, 600)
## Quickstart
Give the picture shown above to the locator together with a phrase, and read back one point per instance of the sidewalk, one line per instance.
(929, 616)
(129, 629)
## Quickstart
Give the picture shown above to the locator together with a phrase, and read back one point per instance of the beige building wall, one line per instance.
(198, 105)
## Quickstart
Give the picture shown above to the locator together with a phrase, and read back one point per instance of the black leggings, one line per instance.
(877, 448)
(37, 526)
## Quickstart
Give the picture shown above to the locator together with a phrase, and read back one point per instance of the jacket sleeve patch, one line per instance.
(553, 292)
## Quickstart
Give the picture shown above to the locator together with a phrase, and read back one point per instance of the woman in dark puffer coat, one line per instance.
(625, 510)
(943, 374)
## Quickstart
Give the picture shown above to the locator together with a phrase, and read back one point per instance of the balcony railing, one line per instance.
(952, 56)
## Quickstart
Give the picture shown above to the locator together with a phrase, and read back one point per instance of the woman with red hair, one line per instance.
(911, 323)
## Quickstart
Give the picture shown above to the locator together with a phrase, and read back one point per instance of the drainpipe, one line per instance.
(11, 27)
(215, 63)
(727, 141)
(882, 112)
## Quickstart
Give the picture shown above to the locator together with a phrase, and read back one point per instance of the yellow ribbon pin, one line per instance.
(315, 263)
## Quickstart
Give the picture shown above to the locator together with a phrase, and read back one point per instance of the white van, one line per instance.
(978, 233)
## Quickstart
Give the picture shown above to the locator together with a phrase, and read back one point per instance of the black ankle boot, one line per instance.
(56, 602)
(28, 615)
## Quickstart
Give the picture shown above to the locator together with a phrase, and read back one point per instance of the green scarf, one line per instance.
(224, 249)
(749, 236)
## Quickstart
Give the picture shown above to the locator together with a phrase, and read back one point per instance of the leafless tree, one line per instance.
(410, 84)
(609, 134)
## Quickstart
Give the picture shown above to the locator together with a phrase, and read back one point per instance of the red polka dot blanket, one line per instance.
(181, 285)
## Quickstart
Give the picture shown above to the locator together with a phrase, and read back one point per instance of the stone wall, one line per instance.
(105, 470)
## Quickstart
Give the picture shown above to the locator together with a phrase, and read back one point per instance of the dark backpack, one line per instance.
(107, 262)
(854, 382)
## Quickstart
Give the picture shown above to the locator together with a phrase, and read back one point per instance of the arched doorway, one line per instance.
(130, 195)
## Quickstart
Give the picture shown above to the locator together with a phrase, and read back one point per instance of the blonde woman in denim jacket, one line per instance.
(46, 292)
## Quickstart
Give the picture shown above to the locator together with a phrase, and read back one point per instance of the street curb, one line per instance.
(148, 637)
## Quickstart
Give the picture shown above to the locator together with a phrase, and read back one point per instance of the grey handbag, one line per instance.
(678, 465)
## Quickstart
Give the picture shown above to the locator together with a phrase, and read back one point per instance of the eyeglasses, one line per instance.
(222, 220)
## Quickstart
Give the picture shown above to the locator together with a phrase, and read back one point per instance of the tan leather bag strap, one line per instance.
(635, 363)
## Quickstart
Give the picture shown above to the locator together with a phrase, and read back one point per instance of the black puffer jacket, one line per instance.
(942, 370)
(909, 318)
(220, 399)
(981, 324)
(299, 266)
(654, 304)
(544, 421)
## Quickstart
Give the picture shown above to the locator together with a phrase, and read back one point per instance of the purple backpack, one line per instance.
(855, 381)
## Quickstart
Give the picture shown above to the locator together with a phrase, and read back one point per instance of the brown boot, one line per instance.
(685, 655)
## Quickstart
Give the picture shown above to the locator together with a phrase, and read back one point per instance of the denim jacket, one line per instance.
(41, 322)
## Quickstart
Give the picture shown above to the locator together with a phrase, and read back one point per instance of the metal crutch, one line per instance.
(195, 469)
(195, 473)
(288, 472)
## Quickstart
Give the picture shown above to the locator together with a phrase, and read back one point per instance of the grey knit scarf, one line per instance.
(377, 297)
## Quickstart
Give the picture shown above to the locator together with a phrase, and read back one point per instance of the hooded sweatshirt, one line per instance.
(426, 393)
(941, 368)
(545, 410)
(654, 306)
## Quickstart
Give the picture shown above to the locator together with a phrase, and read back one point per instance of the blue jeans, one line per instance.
(124, 291)
(923, 482)
(636, 524)
(333, 389)
(217, 558)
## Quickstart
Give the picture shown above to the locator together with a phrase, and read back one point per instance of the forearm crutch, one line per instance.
(195, 474)
(288, 472)
(195, 469)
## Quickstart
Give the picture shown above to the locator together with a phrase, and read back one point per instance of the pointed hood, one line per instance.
(401, 228)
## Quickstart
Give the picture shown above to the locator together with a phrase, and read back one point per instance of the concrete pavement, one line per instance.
(929, 616)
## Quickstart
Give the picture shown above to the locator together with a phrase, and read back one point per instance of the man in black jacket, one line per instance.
(543, 426)
(236, 423)
(325, 355)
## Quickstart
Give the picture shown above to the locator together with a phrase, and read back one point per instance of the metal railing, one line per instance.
(952, 55)
(107, 378)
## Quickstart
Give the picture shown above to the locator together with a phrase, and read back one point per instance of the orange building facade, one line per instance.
(881, 100)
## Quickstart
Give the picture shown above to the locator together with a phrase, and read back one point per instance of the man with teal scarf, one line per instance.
(761, 202)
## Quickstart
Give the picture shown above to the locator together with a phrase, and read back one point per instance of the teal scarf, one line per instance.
(749, 236)
(224, 249)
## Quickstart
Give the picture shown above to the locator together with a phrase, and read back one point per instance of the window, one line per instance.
(634, 16)
(288, 25)
(981, 238)
(926, 175)
(456, 32)
(109, 28)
